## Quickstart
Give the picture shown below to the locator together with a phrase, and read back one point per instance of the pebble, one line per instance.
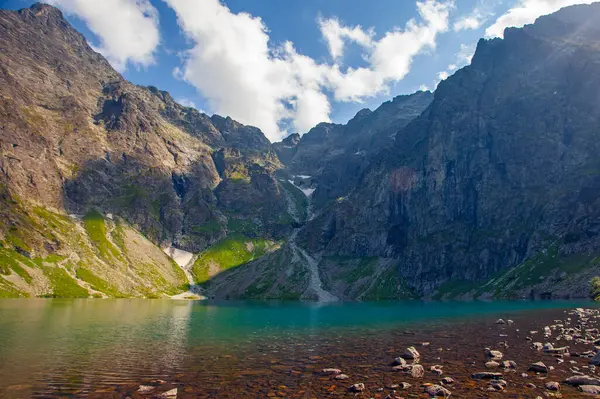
(447, 381)
(399, 362)
(145, 388)
(592, 389)
(341, 377)
(331, 371)
(553, 386)
(417, 371)
(498, 385)
(169, 394)
(538, 367)
(357, 387)
(500, 321)
(509, 364)
(485, 375)
(411, 353)
(582, 380)
(437, 390)
(493, 354)
(492, 365)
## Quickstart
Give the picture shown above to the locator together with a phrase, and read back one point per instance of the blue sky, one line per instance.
(285, 89)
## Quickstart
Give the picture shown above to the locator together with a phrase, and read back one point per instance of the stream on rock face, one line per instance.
(110, 348)
(315, 284)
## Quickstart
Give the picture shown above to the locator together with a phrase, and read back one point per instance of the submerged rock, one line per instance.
(493, 354)
(145, 388)
(331, 371)
(552, 386)
(437, 390)
(538, 367)
(357, 387)
(582, 380)
(399, 361)
(509, 364)
(591, 389)
(417, 371)
(486, 375)
(411, 353)
(498, 385)
(168, 394)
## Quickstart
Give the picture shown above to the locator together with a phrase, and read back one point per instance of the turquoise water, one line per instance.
(52, 342)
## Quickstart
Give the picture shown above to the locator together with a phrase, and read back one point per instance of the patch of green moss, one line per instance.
(14, 237)
(97, 283)
(388, 286)
(212, 226)
(12, 260)
(595, 291)
(96, 228)
(239, 176)
(159, 284)
(63, 285)
(454, 288)
(354, 268)
(535, 269)
(118, 236)
(241, 226)
(231, 252)
(8, 290)
(131, 195)
(259, 288)
(364, 269)
(286, 219)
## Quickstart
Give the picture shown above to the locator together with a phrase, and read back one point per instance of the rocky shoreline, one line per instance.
(533, 354)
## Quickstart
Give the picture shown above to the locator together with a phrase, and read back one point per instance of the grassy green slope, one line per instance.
(231, 252)
(47, 254)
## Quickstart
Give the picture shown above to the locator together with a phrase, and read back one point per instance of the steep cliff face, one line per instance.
(334, 156)
(498, 178)
(77, 138)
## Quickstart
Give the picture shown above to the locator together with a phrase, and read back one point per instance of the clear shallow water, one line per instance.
(73, 347)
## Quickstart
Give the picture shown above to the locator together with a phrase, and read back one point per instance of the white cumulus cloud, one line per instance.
(526, 11)
(127, 29)
(234, 65)
(334, 34)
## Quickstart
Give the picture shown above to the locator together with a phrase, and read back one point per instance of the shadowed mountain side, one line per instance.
(336, 156)
(497, 179)
(286, 273)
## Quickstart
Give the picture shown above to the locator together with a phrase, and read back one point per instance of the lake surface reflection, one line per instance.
(52, 347)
